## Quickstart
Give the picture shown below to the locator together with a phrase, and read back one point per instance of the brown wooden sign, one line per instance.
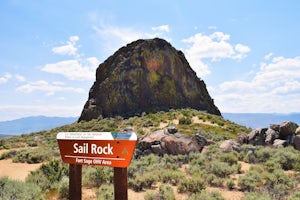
(113, 149)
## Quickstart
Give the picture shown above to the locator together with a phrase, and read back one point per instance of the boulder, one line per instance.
(287, 128)
(229, 145)
(242, 138)
(257, 136)
(275, 127)
(279, 142)
(271, 135)
(296, 142)
(297, 132)
(162, 142)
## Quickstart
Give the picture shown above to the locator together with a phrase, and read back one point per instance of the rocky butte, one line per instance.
(146, 76)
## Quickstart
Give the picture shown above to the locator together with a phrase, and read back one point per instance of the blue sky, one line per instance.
(247, 52)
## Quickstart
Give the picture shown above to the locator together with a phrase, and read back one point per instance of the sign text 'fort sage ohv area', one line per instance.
(113, 149)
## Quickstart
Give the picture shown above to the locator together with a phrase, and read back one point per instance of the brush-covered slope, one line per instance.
(145, 76)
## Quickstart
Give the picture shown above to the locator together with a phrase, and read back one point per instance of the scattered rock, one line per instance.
(162, 142)
(229, 145)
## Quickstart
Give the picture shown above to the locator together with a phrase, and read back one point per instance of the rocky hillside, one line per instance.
(145, 76)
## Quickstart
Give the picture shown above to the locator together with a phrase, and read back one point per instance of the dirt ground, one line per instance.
(16, 171)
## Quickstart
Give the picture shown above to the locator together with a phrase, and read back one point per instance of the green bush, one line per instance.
(192, 185)
(150, 195)
(250, 181)
(48, 176)
(220, 169)
(96, 176)
(185, 120)
(204, 195)
(257, 196)
(63, 188)
(170, 176)
(143, 181)
(287, 157)
(229, 184)
(295, 196)
(278, 183)
(214, 181)
(10, 189)
(166, 192)
(106, 191)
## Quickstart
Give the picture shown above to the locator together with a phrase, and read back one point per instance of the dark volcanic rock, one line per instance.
(145, 76)
(162, 142)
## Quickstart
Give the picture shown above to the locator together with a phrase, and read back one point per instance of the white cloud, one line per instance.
(163, 28)
(5, 78)
(49, 88)
(10, 112)
(81, 70)
(68, 49)
(274, 88)
(114, 37)
(213, 47)
(268, 56)
(20, 77)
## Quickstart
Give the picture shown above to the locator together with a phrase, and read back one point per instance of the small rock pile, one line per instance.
(169, 141)
(284, 134)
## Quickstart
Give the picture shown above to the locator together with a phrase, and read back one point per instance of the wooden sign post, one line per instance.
(110, 149)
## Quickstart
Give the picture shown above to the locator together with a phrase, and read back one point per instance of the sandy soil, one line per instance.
(16, 171)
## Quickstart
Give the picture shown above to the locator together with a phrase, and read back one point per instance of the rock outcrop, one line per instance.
(145, 76)
(284, 134)
(169, 142)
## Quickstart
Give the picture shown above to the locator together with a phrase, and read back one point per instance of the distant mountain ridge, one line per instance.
(33, 124)
(261, 120)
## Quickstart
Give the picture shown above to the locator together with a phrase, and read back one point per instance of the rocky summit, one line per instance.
(146, 76)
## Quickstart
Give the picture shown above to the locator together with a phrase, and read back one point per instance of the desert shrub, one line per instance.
(48, 175)
(229, 183)
(278, 184)
(256, 196)
(170, 176)
(262, 154)
(143, 181)
(9, 154)
(287, 157)
(150, 195)
(271, 165)
(204, 195)
(220, 169)
(250, 181)
(192, 185)
(11, 189)
(63, 188)
(214, 181)
(295, 196)
(166, 192)
(230, 158)
(31, 156)
(95, 176)
(106, 191)
(185, 120)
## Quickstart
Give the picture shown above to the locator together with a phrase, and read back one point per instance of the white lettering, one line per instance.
(107, 150)
(81, 149)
